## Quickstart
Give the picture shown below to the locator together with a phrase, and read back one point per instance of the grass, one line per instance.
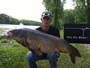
(61, 33)
(13, 56)
(83, 62)
(3, 41)
(2, 36)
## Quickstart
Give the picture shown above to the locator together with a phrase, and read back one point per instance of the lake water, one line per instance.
(4, 28)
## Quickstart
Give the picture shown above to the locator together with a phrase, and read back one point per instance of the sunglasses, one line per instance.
(46, 14)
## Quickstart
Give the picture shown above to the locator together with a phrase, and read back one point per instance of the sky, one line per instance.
(25, 9)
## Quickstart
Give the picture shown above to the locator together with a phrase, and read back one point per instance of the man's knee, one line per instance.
(53, 55)
(29, 56)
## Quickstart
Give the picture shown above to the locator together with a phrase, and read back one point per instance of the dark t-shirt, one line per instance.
(52, 30)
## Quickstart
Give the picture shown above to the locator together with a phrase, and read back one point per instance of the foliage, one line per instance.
(75, 16)
(11, 57)
(3, 41)
(69, 17)
(82, 11)
(81, 17)
(2, 36)
(82, 62)
(56, 8)
(15, 44)
(28, 22)
(14, 57)
(62, 33)
(5, 19)
(88, 10)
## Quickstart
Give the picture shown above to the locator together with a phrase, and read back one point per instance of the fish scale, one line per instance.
(43, 43)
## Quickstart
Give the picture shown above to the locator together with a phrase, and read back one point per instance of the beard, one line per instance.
(46, 25)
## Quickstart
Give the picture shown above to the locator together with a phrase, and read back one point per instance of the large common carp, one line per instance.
(42, 43)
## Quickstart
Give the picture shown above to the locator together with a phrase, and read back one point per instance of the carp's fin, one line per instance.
(72, 59)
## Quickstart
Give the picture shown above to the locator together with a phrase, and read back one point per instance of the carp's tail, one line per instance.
(64, 46)
(74, 52)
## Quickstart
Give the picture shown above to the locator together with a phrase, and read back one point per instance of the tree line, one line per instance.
(5, 19)
(79, 15)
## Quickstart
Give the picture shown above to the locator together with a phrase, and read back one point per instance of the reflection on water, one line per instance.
(21, 24)
(4, 28)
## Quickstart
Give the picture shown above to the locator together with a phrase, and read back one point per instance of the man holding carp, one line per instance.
(32, 57)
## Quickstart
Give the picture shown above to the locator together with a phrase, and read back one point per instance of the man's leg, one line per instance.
(53, 58)
(33, 57)
(31, 60)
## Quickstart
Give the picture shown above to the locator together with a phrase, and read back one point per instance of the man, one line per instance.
(32, 57)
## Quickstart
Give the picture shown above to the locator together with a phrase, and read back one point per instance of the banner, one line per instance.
(77, 33)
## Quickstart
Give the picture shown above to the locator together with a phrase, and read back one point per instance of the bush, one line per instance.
(2, 36)
(3, 41)
(15, 44)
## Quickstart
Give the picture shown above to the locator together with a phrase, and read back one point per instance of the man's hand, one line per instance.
(56, 50)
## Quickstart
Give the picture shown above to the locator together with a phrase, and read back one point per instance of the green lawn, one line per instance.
(13, 55)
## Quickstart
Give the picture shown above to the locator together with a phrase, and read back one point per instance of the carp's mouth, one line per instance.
(9, 34)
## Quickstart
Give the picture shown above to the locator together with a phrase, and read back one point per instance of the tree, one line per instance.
(82, 10)
(4, 19)
(88, 4)
(69, 17)
(56, 8)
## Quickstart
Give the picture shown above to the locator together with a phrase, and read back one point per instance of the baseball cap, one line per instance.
(46, 13)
